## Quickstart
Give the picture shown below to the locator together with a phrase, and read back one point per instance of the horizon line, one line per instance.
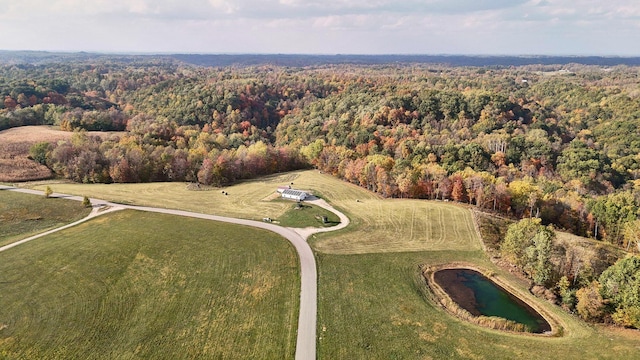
(168, 53)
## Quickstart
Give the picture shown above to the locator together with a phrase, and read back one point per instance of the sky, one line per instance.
(468, 27)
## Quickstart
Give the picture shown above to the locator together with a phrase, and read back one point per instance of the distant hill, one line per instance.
(450, 60)
(301, 60)
(45, 57)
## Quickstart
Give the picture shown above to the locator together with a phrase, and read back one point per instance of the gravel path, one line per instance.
(307, 320)
(306, 232)
(96, 211)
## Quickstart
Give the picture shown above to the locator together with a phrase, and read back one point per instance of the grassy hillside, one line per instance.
(304, 215)
(371, 306)
(371, 302)
(403, 225)
(150, 286)
(22, 215)
(249, 200)
(389, 225)
(377, 224)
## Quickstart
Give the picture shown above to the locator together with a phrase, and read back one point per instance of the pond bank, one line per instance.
(461, 301)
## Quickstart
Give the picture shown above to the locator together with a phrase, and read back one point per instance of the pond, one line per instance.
(480, 296)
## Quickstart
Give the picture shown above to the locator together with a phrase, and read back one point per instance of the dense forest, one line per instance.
(557, 143)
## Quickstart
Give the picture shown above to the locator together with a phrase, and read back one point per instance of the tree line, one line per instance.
(547, 141)
(597, 288)
(553, 143)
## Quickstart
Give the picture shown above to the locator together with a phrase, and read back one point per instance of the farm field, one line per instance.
(389, 225)
(15, 164)
(371, 297)
(372, 306)
(141, 285)
(247, 200)
(23, 215)
(306, 215)
(377, 224)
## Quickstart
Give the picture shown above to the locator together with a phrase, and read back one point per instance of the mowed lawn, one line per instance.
(371, 297)
(247, 200)
(391, 225)
(377, 224)
(23, 215)
(150, 286)
(372, 306)
(381, 225)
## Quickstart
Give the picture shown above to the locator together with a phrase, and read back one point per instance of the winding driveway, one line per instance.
(307, 320)
(96, 211)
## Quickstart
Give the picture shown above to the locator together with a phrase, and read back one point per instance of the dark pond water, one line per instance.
(480, 296)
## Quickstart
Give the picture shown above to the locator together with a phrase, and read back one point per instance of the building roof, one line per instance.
(296, 193)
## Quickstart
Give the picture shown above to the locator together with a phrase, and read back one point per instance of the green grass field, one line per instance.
(306, 215)
(391, 225)
(371, 299)
(377, 224)
(248, 200)
(23, 215)
(371, 306)
(133, 285)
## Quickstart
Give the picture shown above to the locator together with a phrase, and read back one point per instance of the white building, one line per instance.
(296, 195)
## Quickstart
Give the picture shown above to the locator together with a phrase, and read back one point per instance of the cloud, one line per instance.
(323, 26)
(584, 10)
(316, 9)
(269, 9)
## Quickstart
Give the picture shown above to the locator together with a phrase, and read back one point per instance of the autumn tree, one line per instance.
(458, 190)
(590, 304)
(632, 235)
(567, 294)
(205, 174)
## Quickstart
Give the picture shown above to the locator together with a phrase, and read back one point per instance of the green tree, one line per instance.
(38, 152)
(313, 150)
(578, 161)
(539, 256)
(519, 236)
(621, 287)
(613, 212)
(528, 244)
(48, 191)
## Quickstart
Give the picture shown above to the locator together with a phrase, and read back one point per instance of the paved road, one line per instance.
(307, 320)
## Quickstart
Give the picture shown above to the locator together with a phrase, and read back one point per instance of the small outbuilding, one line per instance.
(297, 195)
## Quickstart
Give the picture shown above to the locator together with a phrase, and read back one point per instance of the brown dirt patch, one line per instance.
(15, 164)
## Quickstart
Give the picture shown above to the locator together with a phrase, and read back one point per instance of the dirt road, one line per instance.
(307, 320)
